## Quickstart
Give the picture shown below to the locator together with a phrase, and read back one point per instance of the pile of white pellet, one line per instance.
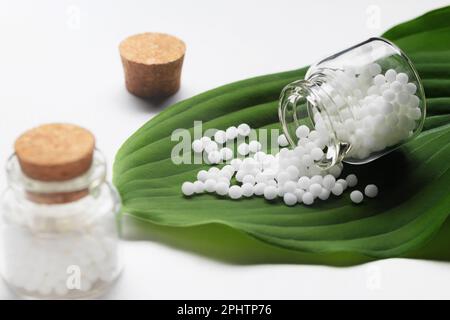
(290, 174)
(370, 110)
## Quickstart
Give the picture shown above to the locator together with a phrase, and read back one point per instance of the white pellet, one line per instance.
(197, 146)
(211, 146)
(343, 183)
(220, 137)
(243, 129)
(243, 149)
(402, 78)
(254, 146)
(226, 153)
(235, 192)
(324, 194)
(352, 180)
(289, 186)
(308, 198)
(202, 175)
(210, 185)
(222, 188)
(247, 189)
(236, 163)
(316, 179)
(258, 190)
(290, 199)
(315, 189)
(316, 154)
(188, 188)
(328, 181)
(214, 157)
(337, 189)
(299, 194)
(356, 196)
(371, 190)
(270, 192)
(282, 140)
(199, 186)
(304, 182)
(302, 131)
(231, 133)
(248, 179)
(391, 75)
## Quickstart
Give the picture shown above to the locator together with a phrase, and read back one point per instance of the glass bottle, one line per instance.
(364, 102)
(59, 239)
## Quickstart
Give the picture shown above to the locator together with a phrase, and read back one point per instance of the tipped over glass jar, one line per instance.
(363, 102)
(59, 226)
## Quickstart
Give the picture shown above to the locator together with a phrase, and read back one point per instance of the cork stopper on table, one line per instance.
(152, 63)
(55, 152)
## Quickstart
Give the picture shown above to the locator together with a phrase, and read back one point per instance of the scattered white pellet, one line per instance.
(304, 182)
(316, 153)
(205, 140)
(199, 186)
(299, 194)
(302, 131)
(214, 157)
(308, 198)
(315, 189)
(282, 140)
(226, 153)
(371, 190)
(210, 185)
(258, 190)
(202, 175)
(244, 129)
(356, 196)
(290, 199)
(248, 179)
(231, 133)
(222, 188)
(220, 137)
(328, 181)
(247, 189)
(270, 192)
(289, 186)
(211, 146)
(343, 183)
(188, 188)
(236, 163)
(324, 194)
(352, 180)
(235, 192)
(243, 149)
(254, 146)
(337, 189)
(197, 146)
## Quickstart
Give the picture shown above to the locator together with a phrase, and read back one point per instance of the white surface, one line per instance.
(53, 68)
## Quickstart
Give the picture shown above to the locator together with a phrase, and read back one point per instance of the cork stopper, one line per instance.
(152, 63)
(55, 152)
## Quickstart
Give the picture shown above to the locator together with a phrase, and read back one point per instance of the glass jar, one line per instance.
(59, 239)
(363, 102)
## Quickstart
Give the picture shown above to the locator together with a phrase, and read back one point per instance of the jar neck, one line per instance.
(56, 192)
(315, 103)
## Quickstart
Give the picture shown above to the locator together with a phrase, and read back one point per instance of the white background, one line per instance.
(60, 62)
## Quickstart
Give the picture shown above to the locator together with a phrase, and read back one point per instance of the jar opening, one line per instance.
(304, 102)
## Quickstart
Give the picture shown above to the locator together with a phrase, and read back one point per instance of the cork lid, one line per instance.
(55, 152)
(152, 48)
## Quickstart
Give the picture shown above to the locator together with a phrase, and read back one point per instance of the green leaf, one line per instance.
(413, 202)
